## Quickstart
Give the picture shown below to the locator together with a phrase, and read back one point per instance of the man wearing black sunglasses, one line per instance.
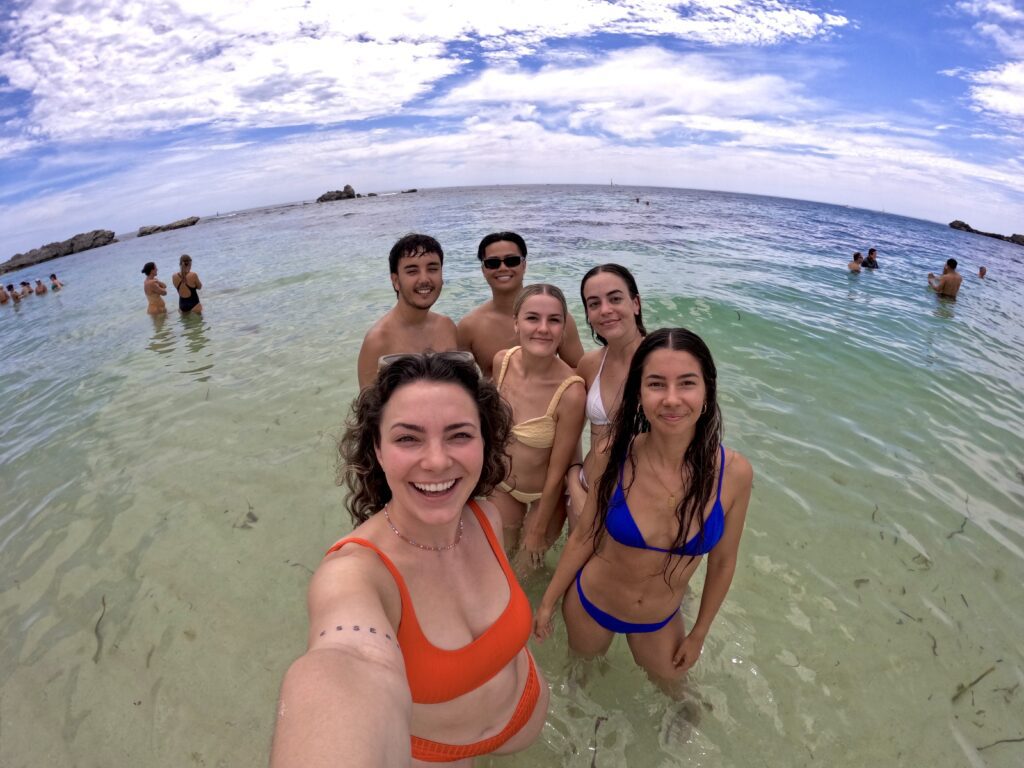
(415, 262)
(490, 327)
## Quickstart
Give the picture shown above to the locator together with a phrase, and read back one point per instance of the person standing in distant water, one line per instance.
(871, 262)
(15, 296)
(40, 288)
(55, 284)
(26, 288)
(154, 290)
(854, 266)
(948, 284)
(982, 271)
(490, 328)
(4, 298)
(415, 262)
(187, 284)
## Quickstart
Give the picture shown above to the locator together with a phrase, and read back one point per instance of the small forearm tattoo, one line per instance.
(356, 628)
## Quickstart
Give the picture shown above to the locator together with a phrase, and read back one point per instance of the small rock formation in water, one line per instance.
(965, 227)
(179, 224)
(409, 191)
(338, 194)
(80, 242)
(371, 194)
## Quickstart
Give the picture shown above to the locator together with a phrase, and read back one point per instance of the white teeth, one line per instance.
(434, 487)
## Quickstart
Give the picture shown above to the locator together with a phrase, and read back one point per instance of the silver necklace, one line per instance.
(403, 537)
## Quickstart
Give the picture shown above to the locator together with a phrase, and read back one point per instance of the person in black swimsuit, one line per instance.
(187, 284)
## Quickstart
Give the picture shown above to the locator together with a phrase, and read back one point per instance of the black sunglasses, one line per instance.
(509, 261)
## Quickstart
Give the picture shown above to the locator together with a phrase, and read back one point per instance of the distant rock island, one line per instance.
(338, 194)
(964, 227)
(80, 242)
(179, 224)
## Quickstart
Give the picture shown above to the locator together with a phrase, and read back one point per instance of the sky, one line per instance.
(119, 113)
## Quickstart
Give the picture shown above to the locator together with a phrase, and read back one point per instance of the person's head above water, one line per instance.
(593, 303)
(951, 264)
(857, 257)
(501, 237)
(360, 468)
(413, 245)
(982, 271)
(147, 268)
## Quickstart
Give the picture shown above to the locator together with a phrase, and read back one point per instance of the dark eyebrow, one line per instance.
(421, 430)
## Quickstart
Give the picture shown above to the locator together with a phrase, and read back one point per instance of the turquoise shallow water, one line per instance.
(167, 485)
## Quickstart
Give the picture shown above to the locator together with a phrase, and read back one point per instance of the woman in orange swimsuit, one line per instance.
(418, 628)
(547, 401)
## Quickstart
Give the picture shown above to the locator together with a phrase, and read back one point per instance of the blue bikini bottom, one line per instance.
(613, 624)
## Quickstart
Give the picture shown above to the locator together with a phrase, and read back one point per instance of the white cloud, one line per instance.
(1000, 91)
(112, 69)
(998, 8)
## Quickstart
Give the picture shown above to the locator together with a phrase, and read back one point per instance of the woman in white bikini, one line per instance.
(547, 405)
(616, 321)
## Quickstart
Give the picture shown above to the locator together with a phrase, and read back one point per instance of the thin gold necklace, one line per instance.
(403, 537)
(669, 491)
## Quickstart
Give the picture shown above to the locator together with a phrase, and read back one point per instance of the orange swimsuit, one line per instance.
(436, 674)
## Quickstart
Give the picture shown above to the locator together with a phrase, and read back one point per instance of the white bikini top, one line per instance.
(595, 405)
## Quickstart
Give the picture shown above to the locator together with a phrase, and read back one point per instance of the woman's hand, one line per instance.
(534, 547)
(688, 652)
(543, 623)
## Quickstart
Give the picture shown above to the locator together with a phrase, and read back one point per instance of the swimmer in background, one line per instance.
(55, 284)
(871, 262)
(415, 263)
(4, 297)
(188, 285)
(26, 288)
(154, 290)
(982, 271)
(40, 289)
(616, 322)
(667, 493)
(948, 284)
(417, 640)
(547, 401)
(15, 296)
(854, 266)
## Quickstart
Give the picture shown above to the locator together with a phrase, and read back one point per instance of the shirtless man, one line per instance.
(854, 266)
(489, 328)
(982, 271)
(948, 284)
(871, 262)
(415, 263)
(40, 289)
(4, 298)
(13, 293)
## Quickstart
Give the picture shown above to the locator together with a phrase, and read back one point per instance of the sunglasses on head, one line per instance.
(509, 261)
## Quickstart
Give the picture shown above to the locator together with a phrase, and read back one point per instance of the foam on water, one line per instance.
(167, 485)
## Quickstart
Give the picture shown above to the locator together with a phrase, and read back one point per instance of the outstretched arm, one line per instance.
(346, 701)
(739, 477)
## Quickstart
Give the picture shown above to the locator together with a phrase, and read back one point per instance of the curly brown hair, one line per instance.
(358, 468)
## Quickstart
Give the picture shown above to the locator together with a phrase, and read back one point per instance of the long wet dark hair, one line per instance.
(634, 293)
(701, 459)
(358, 468)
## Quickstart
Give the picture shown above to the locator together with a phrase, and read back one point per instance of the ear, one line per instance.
(376, 452)
(394, 281)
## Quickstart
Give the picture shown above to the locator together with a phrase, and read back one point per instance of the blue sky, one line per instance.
(117, 114)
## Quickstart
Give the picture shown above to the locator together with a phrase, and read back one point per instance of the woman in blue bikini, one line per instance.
(666, 494)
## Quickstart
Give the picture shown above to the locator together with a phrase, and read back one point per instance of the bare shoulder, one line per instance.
(494, 518)
(588, 365)
(499, 358)
(738, 471)
(443, 329)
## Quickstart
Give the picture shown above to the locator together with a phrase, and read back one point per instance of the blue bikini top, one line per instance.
(622, 527)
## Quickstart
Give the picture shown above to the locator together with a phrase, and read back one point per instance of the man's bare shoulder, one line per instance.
(478, 314)
(378, 332)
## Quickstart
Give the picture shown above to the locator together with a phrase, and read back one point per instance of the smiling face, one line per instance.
(611, 311)
(504, 279)
(431, 450)
(418, 279)
(672, 391)
(540, 324)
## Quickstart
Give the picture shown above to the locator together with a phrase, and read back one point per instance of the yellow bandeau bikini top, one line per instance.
(538, 432)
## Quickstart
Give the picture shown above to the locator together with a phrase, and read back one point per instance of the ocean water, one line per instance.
(167, 484)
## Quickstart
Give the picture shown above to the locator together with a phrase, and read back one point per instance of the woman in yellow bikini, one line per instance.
(547, 402)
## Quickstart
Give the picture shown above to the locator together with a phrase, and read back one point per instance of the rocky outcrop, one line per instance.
(965, 227)
(81, 242)
(179, 224)
(339, 194)
(409, 191)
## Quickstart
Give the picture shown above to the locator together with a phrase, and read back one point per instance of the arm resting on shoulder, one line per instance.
(571, 348)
